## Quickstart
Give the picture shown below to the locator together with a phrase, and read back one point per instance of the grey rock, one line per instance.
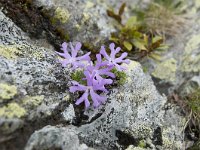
(184, 51)
(38, 80)
(8, 126)
(69, 114)
(81, 20)
(135, 111)
(50, 137)
(190, 86)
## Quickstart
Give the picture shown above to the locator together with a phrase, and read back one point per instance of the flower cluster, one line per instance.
(96, 74)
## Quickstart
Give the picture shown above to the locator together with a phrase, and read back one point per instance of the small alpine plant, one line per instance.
(97, 74)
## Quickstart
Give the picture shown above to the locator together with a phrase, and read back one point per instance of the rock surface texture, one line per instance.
(37, 112)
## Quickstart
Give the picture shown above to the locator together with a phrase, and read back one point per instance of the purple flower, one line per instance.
(89, 90)
(111, 60)
(72, 59)
(99, 69)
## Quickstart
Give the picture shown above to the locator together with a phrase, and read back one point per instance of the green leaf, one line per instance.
(131, 22)
(114, 39)
(155, 56)
(139, 44)
(156, 42)
(136, 34)
(121, 10)
(157, 39)
(128, 45)
(162, 47)
(112, 14)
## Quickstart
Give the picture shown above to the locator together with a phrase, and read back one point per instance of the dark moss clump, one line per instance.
(78, 76)
(193, 103)
(120, 76)
(32, 20)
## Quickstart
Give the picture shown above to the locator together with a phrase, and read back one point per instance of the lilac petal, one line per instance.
(73, 89)
(64, 47)
(97, 99)
(84, 97)
(118, 60)
(64, 62)
(103, 52)
(87, 103)
(73, 50)
(78, 46)
(65, 55)
(127, 61)
(84, 57)
(77, 64)
(89, 77)
(104, 63)
(110, 74)
(118, 67)
(112, 46)
(75, 82)
(98, 56)
(104, 70)
(90, 68)
(107, 81)
(94, 99)
(117, 50)
(113, 53)
(123, 68)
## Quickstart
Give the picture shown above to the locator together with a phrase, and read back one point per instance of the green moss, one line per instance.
(61, 14)
(7, 91)
(142, 143)
(12, 110)
(166, 70)
(120, 76)
(32, 101)
(193, 100)
(9, 52)
(78, 76)
(62, 33)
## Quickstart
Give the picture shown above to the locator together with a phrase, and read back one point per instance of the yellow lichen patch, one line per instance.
(66, 98)
(131, 147)
(166, 70)
(191, 61)
(32, 101)
(39, 55)
(192, 44)
(89, 5)
(86, 17)
(132, 65)
(61, 14)
(13, 110)
(7, 91)
(9, 52)
(78, 27)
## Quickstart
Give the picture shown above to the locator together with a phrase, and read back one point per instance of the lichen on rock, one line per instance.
(12, 110)
(7, 91)
(9, 52)
(61, 14)
(166, 70)
(32, 101)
